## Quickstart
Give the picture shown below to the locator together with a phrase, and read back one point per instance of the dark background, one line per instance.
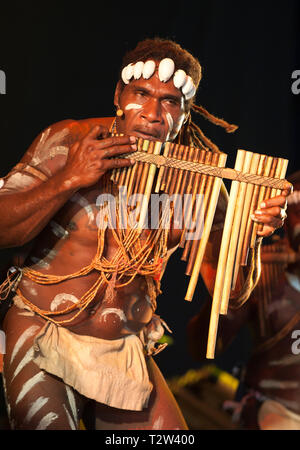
(62, 60)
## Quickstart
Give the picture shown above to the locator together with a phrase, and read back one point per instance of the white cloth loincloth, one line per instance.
(113, 372)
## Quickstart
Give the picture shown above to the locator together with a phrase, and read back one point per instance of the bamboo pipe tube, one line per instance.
(148, 188)
(244, 220)
(204, 196)
(175, 187)
(146, 167)
(162, 169)
(276, 167)
(139, 172)
(282, 174)
(115, 171)
(249, 227)
(261, 196)
(234, 236)
(188, 210)
(167, 169)
(177, 172)
(184, 184)
(172, 171)
(188, 184)
(219, 281)
(181, 172)
(133, 172)
(206, 232)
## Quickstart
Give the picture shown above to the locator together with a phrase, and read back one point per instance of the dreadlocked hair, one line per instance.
(192, 135)
(158, 49)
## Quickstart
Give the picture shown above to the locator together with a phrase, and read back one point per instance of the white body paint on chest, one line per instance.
(62, 298)
(116, 311)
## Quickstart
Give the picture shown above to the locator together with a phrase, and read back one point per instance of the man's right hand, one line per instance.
(89, 158)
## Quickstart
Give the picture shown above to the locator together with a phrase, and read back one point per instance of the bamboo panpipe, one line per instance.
(187, 170)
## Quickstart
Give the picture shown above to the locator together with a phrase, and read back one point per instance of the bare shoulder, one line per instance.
(48, 152)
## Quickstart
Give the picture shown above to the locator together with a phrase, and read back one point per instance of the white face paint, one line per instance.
(132, 106)
(1, 183)
(170, 123)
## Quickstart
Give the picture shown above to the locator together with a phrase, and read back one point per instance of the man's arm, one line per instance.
(27, 202)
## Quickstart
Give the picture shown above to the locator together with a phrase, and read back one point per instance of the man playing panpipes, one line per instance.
(81, 324)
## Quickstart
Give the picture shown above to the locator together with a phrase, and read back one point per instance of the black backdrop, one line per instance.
(61, 60)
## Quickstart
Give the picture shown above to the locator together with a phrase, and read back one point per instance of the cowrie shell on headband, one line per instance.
(148, 69)
(138, 70)
(127, 73)
(179, 78)
(166, 69)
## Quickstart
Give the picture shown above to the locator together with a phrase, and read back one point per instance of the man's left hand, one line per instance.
(271, 213)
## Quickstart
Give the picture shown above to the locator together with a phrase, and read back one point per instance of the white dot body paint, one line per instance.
(132, 106)
(1, 183)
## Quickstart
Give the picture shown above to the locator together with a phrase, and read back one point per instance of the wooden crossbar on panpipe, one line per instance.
(196, 173)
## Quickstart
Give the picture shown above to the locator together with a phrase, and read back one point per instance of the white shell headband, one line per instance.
(166, 70)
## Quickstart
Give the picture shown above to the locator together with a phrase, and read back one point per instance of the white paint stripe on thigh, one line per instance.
(70, 420)
(72, 403)
(27, 358)
(22, 339)
(47, 420)
(35, 407)
(40, 376)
